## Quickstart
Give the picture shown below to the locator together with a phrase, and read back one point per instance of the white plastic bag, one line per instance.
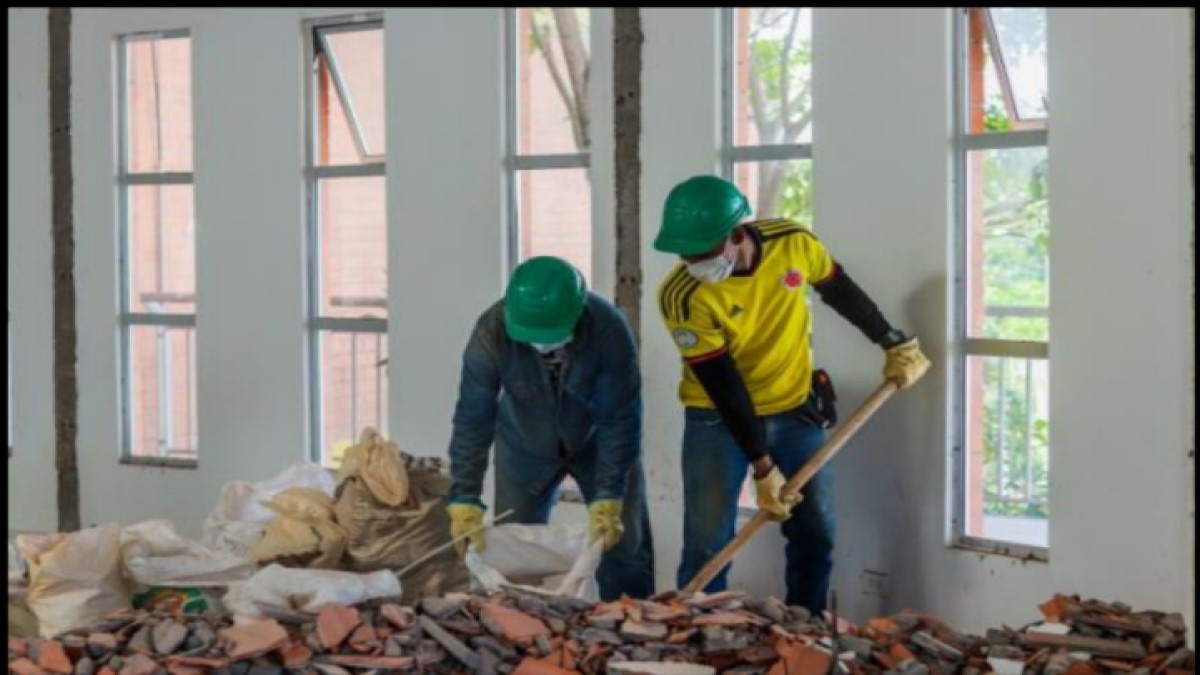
(306, 590)
(527, 555)
(75, 578)
(154, 554)
(16, 566)
(240, 516)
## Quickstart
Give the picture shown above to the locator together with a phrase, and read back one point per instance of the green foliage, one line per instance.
(1015, 271)
(795, 199)
(995, 117)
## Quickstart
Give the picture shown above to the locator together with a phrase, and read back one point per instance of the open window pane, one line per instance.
(1008, 470)
(772, 75)
(353, 246)
(1008, 242)
(158, 105)
(556, 215)
(1021, 33)
(350, 97)
(1006, 69)
(162, 249)
(353, 389)
(777, 189)
(553, 51)
(162, 392)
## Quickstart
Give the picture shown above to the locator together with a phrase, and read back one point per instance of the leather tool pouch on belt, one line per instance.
(820, 406)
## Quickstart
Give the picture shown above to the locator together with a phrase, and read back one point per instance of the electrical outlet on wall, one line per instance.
(876, 583)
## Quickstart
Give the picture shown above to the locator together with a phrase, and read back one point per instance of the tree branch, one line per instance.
(543, 46)
(785, 70)
(576, 57)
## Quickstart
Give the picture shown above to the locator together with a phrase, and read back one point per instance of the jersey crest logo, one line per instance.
(792, 279)
(686, 339)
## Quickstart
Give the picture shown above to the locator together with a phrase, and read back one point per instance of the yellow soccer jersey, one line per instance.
(760, 318)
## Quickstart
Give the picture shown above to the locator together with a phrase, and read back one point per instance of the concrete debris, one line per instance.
(514, 633)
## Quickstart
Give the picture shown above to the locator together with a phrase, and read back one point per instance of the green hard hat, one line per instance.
(544, 299)
(699, 213)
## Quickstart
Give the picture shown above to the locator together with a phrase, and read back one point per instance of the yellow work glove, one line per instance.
(905, 363)
(769, 490)
(604, 522)
(463, 519)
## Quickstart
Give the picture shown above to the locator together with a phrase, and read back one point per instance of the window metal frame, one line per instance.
(731, 154)
(315, 323)
(126, 318)
(514, 161)
(962, 345)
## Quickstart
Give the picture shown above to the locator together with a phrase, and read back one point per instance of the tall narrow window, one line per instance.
(767, 114)
(157, 251)
(347, 235)
(1002, 232)
(549, 188)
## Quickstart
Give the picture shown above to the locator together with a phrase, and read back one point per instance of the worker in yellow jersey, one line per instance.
(735, 307)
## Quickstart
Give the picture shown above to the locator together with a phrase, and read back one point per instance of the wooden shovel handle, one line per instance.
(794, 484)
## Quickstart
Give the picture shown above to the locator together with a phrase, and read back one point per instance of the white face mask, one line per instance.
(712, 271)
(547, 347)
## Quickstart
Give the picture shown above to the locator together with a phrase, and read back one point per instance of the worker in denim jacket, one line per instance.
(550, 374)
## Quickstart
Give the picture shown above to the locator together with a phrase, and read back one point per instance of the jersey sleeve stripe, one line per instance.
(707, 357)
(685, 297)
(668, 291)
(679, 297)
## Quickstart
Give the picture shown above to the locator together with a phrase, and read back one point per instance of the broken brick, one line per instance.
(532, 666)
(796, 658)
(53, 658)
(296, 656)
(511, 624)
(335, 622)
(23, 666)
(252, 638)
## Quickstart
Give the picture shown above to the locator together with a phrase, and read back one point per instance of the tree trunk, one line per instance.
(62, 232)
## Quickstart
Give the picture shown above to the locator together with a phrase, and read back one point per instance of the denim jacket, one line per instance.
(505, 395)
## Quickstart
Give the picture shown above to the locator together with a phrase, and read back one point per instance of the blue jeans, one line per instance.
(628, 567)
(714, 470)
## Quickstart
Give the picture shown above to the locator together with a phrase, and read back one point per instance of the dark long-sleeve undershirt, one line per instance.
(850, 301)
(724, 385)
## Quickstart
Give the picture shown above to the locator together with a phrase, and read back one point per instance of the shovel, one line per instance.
(794, 484)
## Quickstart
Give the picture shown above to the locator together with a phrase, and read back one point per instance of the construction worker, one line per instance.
(735, 307)
(551, 374)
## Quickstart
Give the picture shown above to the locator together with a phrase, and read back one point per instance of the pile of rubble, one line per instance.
(522, 633)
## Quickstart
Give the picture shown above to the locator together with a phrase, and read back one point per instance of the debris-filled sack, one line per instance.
(74, 578)
(154, 554)
(526, 633)
(532, 555)
(391, 507)
(306, 590)
(237, 522)
(305, 533)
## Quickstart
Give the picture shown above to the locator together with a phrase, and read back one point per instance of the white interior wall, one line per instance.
(882, 206)
(31, 497)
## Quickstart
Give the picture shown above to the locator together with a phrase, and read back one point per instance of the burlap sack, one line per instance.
(385, 536)
(305, 534)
